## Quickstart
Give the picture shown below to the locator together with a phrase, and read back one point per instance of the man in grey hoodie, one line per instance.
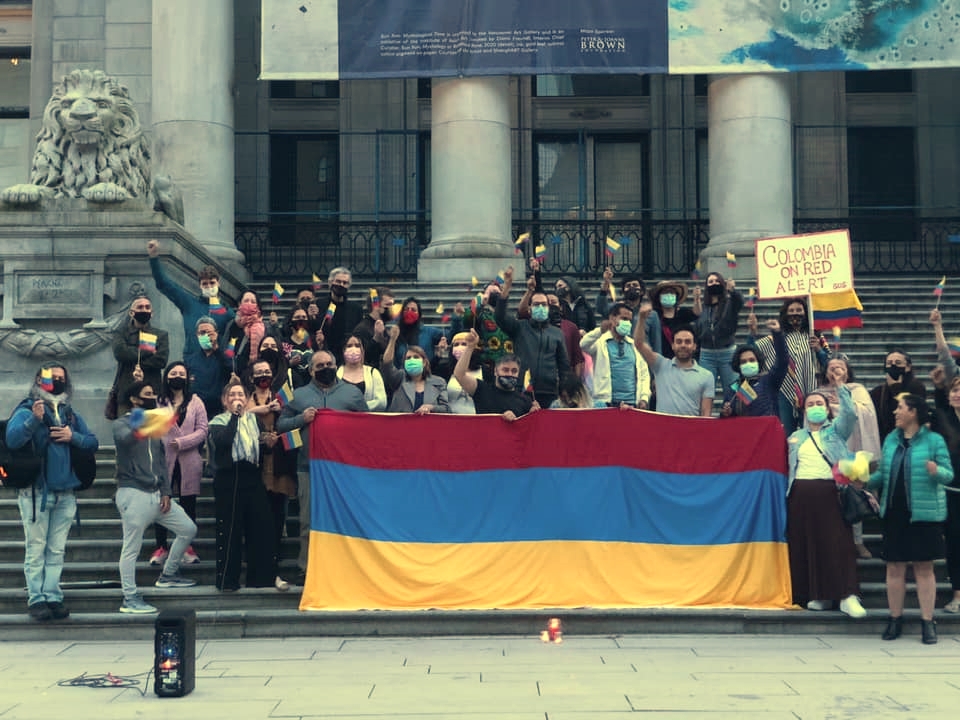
(143, 497)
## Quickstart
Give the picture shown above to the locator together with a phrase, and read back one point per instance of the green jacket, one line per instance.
(925, 494)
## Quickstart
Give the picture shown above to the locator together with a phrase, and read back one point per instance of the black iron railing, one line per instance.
(652, 248)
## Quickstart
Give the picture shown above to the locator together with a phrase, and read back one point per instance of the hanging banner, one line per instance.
(811, 264)
(333, 40)
(556, 509)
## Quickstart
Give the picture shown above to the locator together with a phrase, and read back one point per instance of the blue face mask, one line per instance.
(540, 313)
(413, 366)
(817, 414)
(749, 369)
(624, 328)
(668, 300)
(205, 342)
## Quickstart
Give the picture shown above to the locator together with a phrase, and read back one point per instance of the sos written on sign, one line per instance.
(804, 264)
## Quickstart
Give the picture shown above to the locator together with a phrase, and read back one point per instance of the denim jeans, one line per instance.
(45, 541)
(138, 509)
(718, 362)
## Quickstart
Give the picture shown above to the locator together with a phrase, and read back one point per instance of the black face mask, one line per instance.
(263, 381)
(269, 355)
(176, 383)
(895, 371)
(508, 382)
(325, 376)
(142, 317)
(555, 316)
(715, 290)
(148, 403)
(632, 294)
(305, 303)
(338, 291)
(59, 387)
(563, 292)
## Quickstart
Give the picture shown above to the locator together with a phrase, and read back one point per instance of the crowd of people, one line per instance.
(250, 383)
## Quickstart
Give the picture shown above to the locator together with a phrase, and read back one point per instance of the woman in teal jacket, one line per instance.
(914, 467)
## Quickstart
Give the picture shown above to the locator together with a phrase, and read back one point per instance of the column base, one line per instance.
(457, 269)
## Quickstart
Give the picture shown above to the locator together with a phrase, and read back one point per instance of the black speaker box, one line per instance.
(174, 653)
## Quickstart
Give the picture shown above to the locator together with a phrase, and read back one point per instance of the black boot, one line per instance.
(895, 628)
(929, 632)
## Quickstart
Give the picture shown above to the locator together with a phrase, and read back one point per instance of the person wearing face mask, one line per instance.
(244, 523)
(898, 378)
(633, 292)
(323, 391)
(503, 396)
(539, 345)
(138, 357)
(192, 307)
(413, 332)
(807, 353)
(47, 509)
(367, 380)
(347, 314)
(144, 497)
(823, 561)
(573, 305)
(209, 369)
(415, 389)
(621, 377)
(271, 354)
(181, 447)
(461, 402)
(666, 298)
(372, 328)
(278, 465)
(754, 379)
(297, 347)
(716, 326)
(245, 333)
(494, 342)
(571, 333)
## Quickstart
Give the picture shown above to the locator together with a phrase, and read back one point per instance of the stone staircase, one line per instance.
(896, 312)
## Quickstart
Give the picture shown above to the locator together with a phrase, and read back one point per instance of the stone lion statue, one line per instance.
(91, 145)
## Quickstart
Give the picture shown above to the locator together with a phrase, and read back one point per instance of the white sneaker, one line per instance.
(851, 606)
(280, 584)
(819, 605)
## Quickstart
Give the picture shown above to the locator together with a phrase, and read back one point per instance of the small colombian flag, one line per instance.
(277, 292)
(148, 342)
(231, 349)
(611, 247)
(216, 307)
(331, 309)
(522, 239)
(317, 282)
(46, 380)
(954, 345)
(746, 393)
(285, 394)
(291, 439)
(541, 252)
(938, 290)
(500, 279)
(751, 297)
(731, 260)
(374, 298)
(527, 383)
(695, 273)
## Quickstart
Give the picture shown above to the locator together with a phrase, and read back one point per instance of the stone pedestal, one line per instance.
(750, 161)
(193, 115)
(69, 274)
(470, 177)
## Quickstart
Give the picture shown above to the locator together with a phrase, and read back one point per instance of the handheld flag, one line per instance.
(216, 307)
(285, 394)
(156, 423)
(317, 282)
(374, 298)
(148, 342)
(841, 309)
(231, 349)
(527, 383)
(331, 309)
(500, 279)
(731, 260)
(277, 292)
(540, 252)
(291, 439)
(440, 309)
(396, 309)
(611, 246)
(745, 392)
(46, 379)
(522, 239)
(938, 290)
(695, 273)
(751, 298)
(954, 345)
(476, 303)
(474, 282)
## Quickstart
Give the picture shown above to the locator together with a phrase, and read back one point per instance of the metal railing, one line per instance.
(390, 249)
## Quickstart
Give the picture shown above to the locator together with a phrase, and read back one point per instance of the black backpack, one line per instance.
(18, 468)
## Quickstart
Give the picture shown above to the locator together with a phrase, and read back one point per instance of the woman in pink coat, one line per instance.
(182, 447)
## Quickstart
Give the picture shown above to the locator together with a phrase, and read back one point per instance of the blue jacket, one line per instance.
(56, 473)
(925, 494)
(766, 384)
(833, 435)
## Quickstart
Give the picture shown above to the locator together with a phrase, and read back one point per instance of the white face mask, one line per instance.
(210, 292)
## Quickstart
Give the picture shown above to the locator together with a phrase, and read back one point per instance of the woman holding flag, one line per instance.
(244, 333)
(140, 349)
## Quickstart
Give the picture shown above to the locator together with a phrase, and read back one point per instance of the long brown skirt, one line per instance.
(823, 560)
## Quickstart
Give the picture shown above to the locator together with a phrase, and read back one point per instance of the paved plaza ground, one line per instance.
(508, 678)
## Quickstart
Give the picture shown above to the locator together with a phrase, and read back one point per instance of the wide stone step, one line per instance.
(108, 550)
(111, 528)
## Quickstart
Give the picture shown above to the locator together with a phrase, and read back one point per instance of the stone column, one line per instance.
(193, 115)
(470, 178)
(750, 167)
(41, 64)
